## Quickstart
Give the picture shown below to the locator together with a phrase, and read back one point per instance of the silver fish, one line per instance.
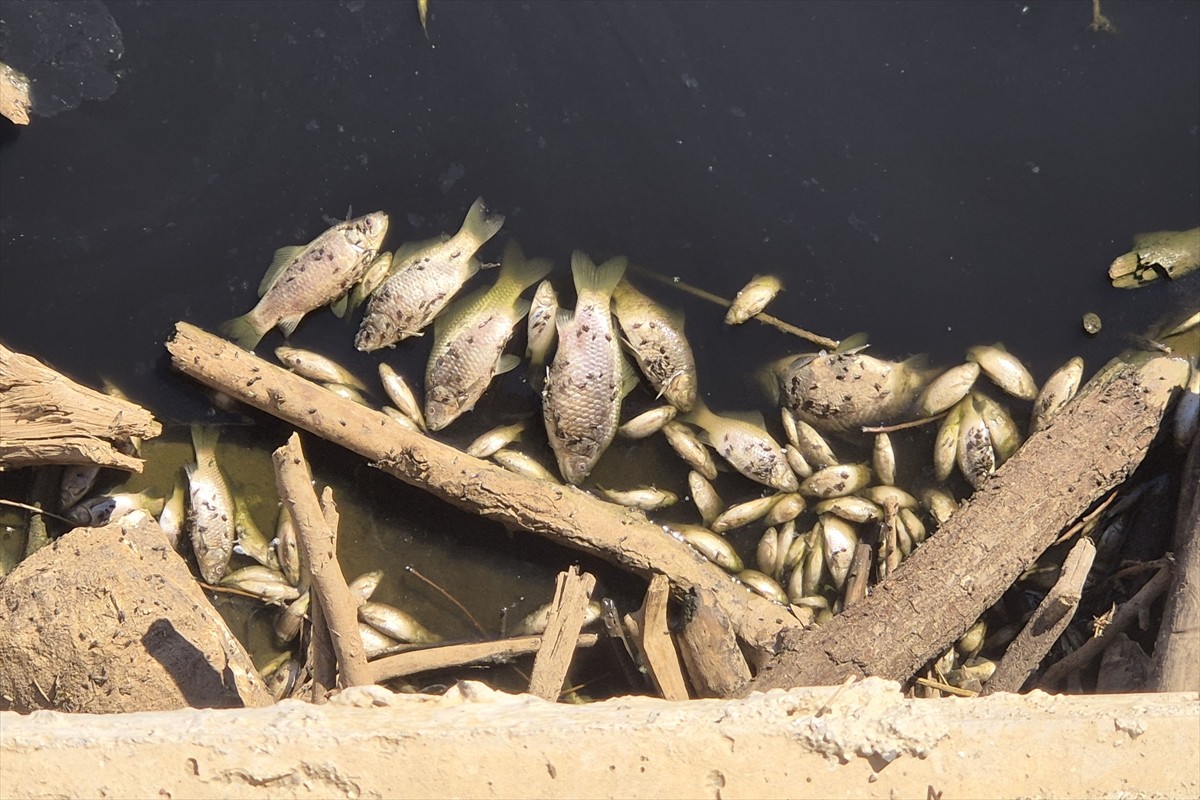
(316, 367)
(542, 330)
(1056, 392)
(647, 423)
(495, 439)
(251, 541)
(395, 623)
(687, 445)
(707, 501)
(840, 539)
(752, 298)
(940, 504)
(582, 400)
(173, 517)
(404, 420)
(421, 284)
(374, 643)
(287, 547)
(400, 393)
(836, 481)
(211, 510)
(787, 509)
(948, 388)
(97, 511)
(647, 498)
(713, 547)
(843, 391)
(347, 392)
(303, 278)
(883, 459)
(850, 508)
(747, 446)
(288, 621)
(655, 337)
(1006, 437)
(741, 514)
(764, 585)
(536, 621)
(1004, 369)
(945, 446)
(365, 585)
(470, 337)
(522, 464)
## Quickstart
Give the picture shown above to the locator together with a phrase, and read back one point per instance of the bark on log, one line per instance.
(566, 514)
(1092, 445)
(46, 418)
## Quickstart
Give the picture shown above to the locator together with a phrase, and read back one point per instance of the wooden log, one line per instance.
(931, 600)
(710, 651)
(449, 656)
(566, 514)
(653, 638)
(46, 418)
(572, 594)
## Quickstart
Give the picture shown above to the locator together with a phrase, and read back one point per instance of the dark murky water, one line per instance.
(938, 174)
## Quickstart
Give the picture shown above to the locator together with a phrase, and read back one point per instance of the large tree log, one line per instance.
(46, 418)
(563, 513)
(909, 619)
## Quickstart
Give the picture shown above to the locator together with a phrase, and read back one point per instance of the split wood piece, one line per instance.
(1048, 622)
(710, 650)
(942, 589)
(572, 593)
(563, 513)
(293, 479)
(1177, 650)
(322, 658)
(1130, 611)
(15, 100)
(449, 656)
(653, 637)
(46, 418)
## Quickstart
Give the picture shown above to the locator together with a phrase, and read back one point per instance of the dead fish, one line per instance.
(655, 337)
(747, 446)
(77, 481)
(647, 423)
(543, 331)
(255, 572)
(945, 445)
(850, 508)
(400, 393)
(494, 439)
(98, 511)
(742, 514)
(173, 518)
(287, 547)
(316, 367)
(251, 541)
(840, 539)
(374, 643)
(522, 464)
(303, 278)
(797, 462)
(948, 388)
(534, 624)
(376, 273)
(402, 419)
(282, 680)
(291, 617)
(764, 585)
(397, 624)
(786, 509)
(836, 481)
(752, 298)
(811, 445)
(687, 445)
(883, 459)
(211, 510)
(421, 284)
(365, 585)
(713, 547)
(1004, 369)
(843, 391)
(1006, 437)
(976, 458)
(707, 501)
(939, 503)
(347, 393)
(883, 496)
(584, 386)
(1056, 392)
(272, 592)
(647, 498)
(470, 337)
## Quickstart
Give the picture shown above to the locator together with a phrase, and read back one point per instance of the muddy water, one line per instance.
(937, 174)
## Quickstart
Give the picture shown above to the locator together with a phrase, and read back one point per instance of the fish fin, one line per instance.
(243, 331)
(767, 380)
(629, 377)
(599, 279)
(481, 223)
(852, 343)
(518, 272)
(701, 417)
(562, 319)
(520, 308)
(754, 418)
(340, 306)
(283, 256)
(288, 324)
(507, 363)
(204, 441)
(409, 249)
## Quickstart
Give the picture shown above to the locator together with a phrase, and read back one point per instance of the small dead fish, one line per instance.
(913, 525)
(347, 393)
(98, 511)
(655, 337)
(542, 330)
(1004, 369)
(741, 514)
(790, 431)
(251, 541)
(494, 439)
(211, 510)
(647, 498)
(713, 547)
(424, 280)
(883, 459)
(764, 585)
(374, 643)
(365, 585)
(470, 336)
(307, 277)
(707, 501)
(747, 446)
(1056, 392)
(840, 539)
(812, 446)
(836, 481)
(282, 680)
(948, 388)
(395, 623)
(850, 508)
(797, 462)
(534, 624)
(400, 393)
(290, 618)
(402, 419)
(939, 503)
(522, 464)
(883, 496)
(254, 572)
(77, 481)
(945, 446)
(688, 446)
(287, 547)
(376, 273)
(752, 298)
(272, 592)
(976, 458)
(173, 518)
(786, 509)
(647, 423)
(842, 391)
(316, 367)
(771, 551)
(1006, 437)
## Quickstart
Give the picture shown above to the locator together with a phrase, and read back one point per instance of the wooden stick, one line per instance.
(563, 513)
(1051, 618)
(460, 655)
(572, 593)
(710, 650)
(948, 582)
(650, 632)
(293, 479)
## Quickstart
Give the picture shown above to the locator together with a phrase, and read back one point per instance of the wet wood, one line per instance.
(572, 593)
(450, 656)
(563, 513)
(931, 600)
(317, 542)
(709, 649)
(653, 638)
(1049, 620)
(46, 418)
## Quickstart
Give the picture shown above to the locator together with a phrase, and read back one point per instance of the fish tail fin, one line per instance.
(204, 440)
(563, 318)
(481, 223)
(700, 415)
(243, 330)
(518, 272)
(598, 279)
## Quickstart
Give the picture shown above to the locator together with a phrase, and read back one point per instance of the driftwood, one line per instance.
(572, 594)
(652, 636)
(317, 544)
(449, 656)
(710, 650)
(931, 600)
(45, 418)
(566, 514)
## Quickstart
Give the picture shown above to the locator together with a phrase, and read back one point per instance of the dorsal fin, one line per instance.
(283, 256)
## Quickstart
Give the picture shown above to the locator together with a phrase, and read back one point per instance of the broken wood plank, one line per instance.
(572, 593)
(709, 648)
(565, 514)
(46, 418)
(913, 616)
(653, 636)
(450, 656)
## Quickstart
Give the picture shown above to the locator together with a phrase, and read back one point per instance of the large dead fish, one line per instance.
(843, 391)
(309, 276)
(582, 400)
(469, 339)
(211, 510)
(655, 337)
(423, 280)
(744, 442)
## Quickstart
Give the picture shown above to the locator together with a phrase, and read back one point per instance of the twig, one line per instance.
(947, 688)
(1087, 519)
(450, 597)
(458, 655)
(36, 510)
(899, 426)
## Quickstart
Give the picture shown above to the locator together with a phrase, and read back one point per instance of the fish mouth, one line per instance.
(373, 336)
